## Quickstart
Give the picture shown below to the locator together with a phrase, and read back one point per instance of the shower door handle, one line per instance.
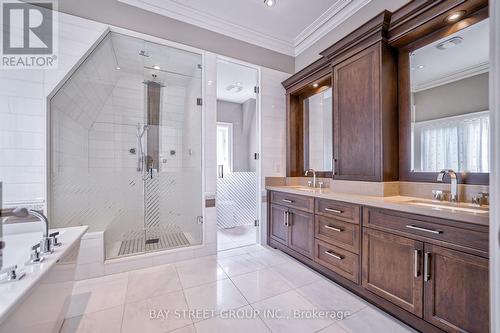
(221, 171)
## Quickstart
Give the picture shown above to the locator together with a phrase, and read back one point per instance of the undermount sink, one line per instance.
(303, 188)
(456, 207)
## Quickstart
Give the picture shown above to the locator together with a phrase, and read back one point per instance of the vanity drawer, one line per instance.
(293, 201)
(337, 260)
(340, 210)
(468, 235)
(343, 234)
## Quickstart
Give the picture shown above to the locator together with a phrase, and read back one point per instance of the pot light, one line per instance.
(420, 66)
(156, 67)
(238, 83)
(316, 85)
(448, 44)
(269, 3)
(118, 68)
(455, 16)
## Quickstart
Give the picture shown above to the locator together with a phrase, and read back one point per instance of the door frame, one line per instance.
(258, 115)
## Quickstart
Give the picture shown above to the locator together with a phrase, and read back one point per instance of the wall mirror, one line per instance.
(318, 130)
(310, 125)
(449, 103)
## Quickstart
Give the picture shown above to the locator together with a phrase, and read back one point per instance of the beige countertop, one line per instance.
(461, 212)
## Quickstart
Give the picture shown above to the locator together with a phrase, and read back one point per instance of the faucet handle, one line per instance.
(321, 184)
(35, 257)
(53, 237)
(11, 274)
(438, 195)
(482, 198)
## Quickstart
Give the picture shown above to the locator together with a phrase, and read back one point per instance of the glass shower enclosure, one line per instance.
(126, 147)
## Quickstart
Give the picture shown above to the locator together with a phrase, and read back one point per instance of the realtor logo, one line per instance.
(28, 34)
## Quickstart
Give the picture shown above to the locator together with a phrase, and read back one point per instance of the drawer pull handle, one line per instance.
(331, 210)
(333, 228)
(287, 201)
(414, 227)
(332, 254)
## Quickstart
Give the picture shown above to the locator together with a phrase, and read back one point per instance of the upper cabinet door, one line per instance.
(392, 269)
(365, 116)
(456, 291)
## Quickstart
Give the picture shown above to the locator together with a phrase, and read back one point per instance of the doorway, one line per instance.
(237, 155)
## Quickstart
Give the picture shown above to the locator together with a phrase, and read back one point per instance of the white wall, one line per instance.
(273, 130)
(495, 171)
(23, 96)
(366, 13)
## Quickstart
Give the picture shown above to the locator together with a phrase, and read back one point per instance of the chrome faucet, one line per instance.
(314, 176)
(453, 183)
(47, 241)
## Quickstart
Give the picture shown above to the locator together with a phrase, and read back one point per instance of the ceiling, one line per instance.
(234, 75)
(289, 27)
(177, 67)
(470, 57)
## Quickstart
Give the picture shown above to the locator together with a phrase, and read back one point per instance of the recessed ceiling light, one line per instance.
(455, 16)
(420, 66)
(118, 68)
(239, 83)
(269, 3)
(156, 67)
(449, 43)
(316, 85)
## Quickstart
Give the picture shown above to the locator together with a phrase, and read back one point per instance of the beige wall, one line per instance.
(453, 99)
(366, 13)
(124, 16)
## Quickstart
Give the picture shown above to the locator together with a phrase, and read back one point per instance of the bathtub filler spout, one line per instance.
(48, 241)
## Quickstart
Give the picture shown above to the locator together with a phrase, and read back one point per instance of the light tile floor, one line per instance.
(248, 289)
(236, 237)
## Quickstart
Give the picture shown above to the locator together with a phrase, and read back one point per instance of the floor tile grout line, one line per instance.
(183, 294)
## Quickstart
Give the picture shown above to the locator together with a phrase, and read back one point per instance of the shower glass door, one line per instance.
(126, 147)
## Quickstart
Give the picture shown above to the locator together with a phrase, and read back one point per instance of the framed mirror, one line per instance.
(310, 126)
(446, 116)
(318, 130)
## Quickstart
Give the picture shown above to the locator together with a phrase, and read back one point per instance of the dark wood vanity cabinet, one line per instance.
(292, 227)
(278, 229)
(428, 272)
(365, 116)
(456, 293)
(392, 269)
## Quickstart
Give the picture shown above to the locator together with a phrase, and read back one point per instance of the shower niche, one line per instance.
(126, 147)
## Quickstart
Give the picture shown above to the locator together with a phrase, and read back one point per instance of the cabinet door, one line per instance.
(456, 290)
(301, 237)
(356, 112)
(392, 269)
(279, 229)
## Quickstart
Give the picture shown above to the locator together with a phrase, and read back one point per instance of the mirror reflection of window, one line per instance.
(224, 148)
(318, 112)
(450, 113)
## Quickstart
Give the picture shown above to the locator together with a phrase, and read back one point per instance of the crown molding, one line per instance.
(187, 14)
(333, 17)
(452, 77)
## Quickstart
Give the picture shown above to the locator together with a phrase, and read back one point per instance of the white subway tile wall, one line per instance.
(23, 94)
